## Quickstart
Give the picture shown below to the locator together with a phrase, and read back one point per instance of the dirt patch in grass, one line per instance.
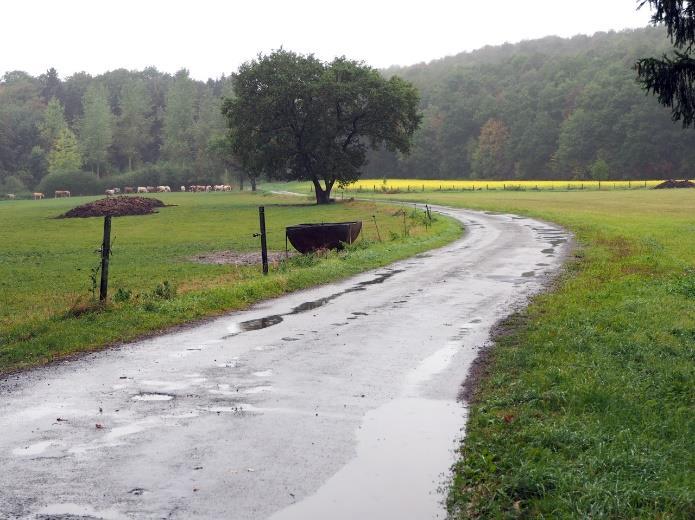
(674, 184)
(238, 258)
(115, 207)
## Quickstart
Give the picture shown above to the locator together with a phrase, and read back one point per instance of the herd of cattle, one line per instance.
(139, 189)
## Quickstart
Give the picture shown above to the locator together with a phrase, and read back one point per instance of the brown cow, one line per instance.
(61, 194)
(128, 189)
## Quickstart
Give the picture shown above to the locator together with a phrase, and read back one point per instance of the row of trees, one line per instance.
(544, 109)
(109, 124)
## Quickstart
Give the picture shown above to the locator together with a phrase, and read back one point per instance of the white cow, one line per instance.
(142, 189)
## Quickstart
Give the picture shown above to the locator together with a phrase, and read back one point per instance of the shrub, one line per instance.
(76, 182)
(12, 184)
(122, 295)
(164, 291)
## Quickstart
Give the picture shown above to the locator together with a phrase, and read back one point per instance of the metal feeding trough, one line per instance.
(330, 235)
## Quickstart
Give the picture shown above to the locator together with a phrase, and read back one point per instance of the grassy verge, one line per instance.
(46, 306)
(587, 407)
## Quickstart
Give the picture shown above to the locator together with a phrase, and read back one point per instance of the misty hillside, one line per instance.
(547, 108)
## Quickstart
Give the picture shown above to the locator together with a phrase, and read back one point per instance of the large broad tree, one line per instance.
(295, 117)
(672, 78)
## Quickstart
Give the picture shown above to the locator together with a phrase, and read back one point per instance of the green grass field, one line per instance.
(46, 306)
(587, 409)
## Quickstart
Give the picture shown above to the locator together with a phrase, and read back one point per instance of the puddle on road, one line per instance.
(260, 323)
(372, 484)
(32, 449)
(71, 510)
(152, 397)
(257, 389)
(528, 274)
(548, 251)
(274, 319)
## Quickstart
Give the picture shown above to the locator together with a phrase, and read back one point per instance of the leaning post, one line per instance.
(105, 254)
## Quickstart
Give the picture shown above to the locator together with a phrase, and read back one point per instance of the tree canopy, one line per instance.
(293, 116)
(672, 78)
(565, 102)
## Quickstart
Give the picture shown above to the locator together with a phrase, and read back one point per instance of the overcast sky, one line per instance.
(211, 37)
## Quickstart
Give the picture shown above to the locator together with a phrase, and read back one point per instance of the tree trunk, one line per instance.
(253, 182)
(241, 181)
(323, 195)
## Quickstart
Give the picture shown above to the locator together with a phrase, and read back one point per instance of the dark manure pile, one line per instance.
(674, 184)
(115, 207)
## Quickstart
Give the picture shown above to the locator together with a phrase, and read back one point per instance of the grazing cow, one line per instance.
(182, 188)
(142, 189)
(227, 187)
(11, 196)
(151, 189)
(117, 190)
(218, 187)
(129, 189)
(110, 193)
(37, 195)
(61, 193)
(163, 189)
(208, 188)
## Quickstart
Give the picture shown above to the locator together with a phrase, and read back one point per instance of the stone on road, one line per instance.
(335, 402)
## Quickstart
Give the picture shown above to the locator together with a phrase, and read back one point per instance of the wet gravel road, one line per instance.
(337, 402)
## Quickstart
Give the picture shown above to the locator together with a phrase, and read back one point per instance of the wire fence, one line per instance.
(392, 186)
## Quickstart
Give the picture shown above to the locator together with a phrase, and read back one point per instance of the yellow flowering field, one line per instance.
(406, 185)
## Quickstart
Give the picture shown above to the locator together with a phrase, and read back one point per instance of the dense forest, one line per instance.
(552, 108)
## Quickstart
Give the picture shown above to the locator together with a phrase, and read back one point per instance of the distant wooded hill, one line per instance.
(552, 108)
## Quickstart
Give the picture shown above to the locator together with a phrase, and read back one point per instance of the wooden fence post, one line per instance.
(264, 246)
(105, 254)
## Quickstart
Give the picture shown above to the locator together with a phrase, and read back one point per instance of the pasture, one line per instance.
(586, 406)
(46, 305)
